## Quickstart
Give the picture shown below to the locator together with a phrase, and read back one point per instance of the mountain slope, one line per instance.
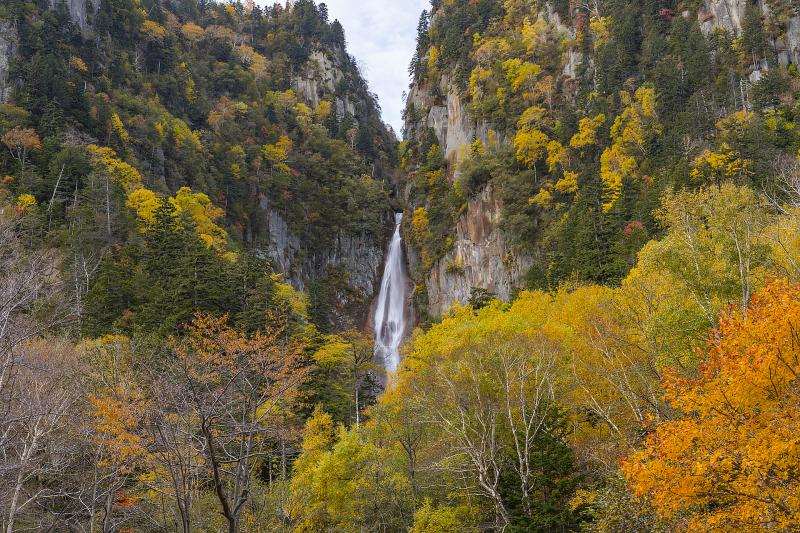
(261, 110)
(558, 127)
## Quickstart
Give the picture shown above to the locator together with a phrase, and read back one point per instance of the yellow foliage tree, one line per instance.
(255, 61)
(318, 438)
(568, 184)
(420, 225)
(184, 136)
(433, 57)
(119, 128)
(616, 165)
(323, 110)
(542, 199)
(530, 142)
(277, 154)
(203, 213)
(629, 133)
(192, 32)
(197, 206)
(717, 166)
(153, 31)
(106, 160)
(25, 202)
(587, 132)
(443, 519)
(521, 74)
(340, 482)
(531, 145)
(78, 64)
(533, 33)
(116, 424)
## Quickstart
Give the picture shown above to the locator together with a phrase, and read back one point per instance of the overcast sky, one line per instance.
(381, 34)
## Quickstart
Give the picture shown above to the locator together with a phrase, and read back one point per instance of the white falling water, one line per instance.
(390, 312)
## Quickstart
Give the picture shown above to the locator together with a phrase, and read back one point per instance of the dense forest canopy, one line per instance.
(586, 115)
(194, 100)
(190, 193)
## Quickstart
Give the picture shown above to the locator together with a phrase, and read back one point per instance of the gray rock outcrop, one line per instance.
(481, 257)
(359, 256)
(8, 44)
(318, 76)
(81, 11)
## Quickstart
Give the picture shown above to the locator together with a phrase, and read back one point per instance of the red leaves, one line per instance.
(666, 14)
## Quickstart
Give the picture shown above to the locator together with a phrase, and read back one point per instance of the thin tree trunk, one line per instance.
(108, 210)
(23, 464)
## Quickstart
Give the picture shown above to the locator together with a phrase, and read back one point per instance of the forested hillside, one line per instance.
(561, 125)
(253, 123)
(194, 195)
(624, 177)
(194, 206)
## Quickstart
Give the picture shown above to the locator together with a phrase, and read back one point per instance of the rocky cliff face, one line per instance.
(730, 14)
(327, 74)
(360, 257)
(727, 14)
(320, 75)
(447, 116)
(481, 257)
(8, 42)
(79, 10)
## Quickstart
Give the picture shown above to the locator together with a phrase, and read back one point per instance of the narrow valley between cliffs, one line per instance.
(246, 285)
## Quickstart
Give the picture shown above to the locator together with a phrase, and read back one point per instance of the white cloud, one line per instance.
(381, 34)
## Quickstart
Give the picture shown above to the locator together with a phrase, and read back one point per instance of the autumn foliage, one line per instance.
(732, 460)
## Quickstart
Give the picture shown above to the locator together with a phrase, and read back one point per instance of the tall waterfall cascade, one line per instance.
(390, 312)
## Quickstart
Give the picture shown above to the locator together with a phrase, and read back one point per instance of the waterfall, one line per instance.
(390, 312)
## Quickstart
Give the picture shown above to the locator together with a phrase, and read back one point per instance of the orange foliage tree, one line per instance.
(240, 388)
(731, 462)
(20, 141)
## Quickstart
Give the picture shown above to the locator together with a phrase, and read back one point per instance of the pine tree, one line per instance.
(416, 69)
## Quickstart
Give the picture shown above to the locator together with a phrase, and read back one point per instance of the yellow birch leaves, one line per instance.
(629, 135)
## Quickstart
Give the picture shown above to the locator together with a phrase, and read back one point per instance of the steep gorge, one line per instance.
(478, 250)
(199, 204)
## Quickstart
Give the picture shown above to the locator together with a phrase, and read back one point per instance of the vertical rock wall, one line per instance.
(8, 43)
(481, 257)
(730, 14)
(359, 256)
(318, 76)
(81, 11)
